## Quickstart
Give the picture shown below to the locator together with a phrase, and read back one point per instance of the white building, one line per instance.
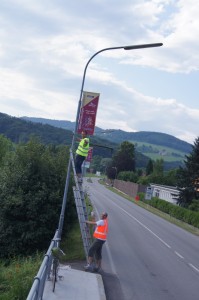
(167, 193)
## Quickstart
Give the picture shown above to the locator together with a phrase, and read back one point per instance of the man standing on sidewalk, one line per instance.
(100, 235)
(81, 154)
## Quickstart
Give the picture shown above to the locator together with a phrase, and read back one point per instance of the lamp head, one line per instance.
(142, 46)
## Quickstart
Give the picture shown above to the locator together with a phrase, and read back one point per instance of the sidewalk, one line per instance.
(75, 285)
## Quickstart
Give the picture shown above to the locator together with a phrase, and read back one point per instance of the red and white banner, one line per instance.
(88, 112)
(90, 154)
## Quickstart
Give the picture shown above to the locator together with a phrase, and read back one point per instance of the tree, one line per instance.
(149, 167)
(124, 159)
(31, 191)
(157, 176)
(128, 176)
(5, 147)
(105, 162)
(95, 163)
(188, 177)
(158, 167)
(170, 177)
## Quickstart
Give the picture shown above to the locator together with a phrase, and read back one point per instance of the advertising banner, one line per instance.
(88, 112)
(90, 154)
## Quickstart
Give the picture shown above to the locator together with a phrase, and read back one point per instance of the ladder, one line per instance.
(79, 196)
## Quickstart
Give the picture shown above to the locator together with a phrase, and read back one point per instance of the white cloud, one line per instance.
(45, 45)
(22, 92)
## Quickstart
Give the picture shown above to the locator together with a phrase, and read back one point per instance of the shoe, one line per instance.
(80, 180)
(96, 269)
(88, 268)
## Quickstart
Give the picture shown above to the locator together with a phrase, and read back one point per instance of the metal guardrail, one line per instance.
(37, 289)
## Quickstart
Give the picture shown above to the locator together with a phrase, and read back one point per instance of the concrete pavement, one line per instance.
(75, 285)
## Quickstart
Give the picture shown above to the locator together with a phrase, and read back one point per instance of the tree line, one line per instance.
(186, 178)
(32, 180)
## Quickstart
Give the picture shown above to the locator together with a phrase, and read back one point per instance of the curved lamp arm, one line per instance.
(132, 47)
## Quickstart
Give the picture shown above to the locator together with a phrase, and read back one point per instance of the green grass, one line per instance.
(16, 278)
(73, 245)
(169, 157)
(90, 175)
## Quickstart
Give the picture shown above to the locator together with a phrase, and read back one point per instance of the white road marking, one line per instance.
(192, 266)
(178, 254)
(153, 233)
(112, 265)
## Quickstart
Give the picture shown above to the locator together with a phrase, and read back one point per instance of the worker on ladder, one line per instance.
(81, 154)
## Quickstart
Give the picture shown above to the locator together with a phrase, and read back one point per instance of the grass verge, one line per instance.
(72, 245)
(16, 277)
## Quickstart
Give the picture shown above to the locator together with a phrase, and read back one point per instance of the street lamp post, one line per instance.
(132, 47)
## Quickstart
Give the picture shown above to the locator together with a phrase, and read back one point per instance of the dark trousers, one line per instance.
(96, 249)
(78, 163)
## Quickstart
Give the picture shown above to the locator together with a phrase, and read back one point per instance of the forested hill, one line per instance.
(56, 123)
(19, 130)
(156, 138)
(118, 136)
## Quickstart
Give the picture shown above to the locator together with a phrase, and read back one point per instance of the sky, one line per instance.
(45, 45)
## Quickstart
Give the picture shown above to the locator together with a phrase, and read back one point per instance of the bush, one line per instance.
(142, 196)
(128, 176)
(31, 192)
(194, 205)
(180, 213)
(177, 212)
(195, 219)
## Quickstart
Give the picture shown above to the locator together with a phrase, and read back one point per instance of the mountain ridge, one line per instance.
(152, 145)
(118, 135)
(21, 129)
(157, 138)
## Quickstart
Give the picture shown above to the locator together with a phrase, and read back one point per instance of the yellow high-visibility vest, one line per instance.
(83, 150)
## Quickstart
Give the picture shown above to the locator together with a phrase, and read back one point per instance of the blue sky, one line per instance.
(45, 45)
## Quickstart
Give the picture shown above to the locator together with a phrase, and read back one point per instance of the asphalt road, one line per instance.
(145, 257)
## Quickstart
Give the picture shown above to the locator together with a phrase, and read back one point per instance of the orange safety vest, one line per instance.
(101, 231)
